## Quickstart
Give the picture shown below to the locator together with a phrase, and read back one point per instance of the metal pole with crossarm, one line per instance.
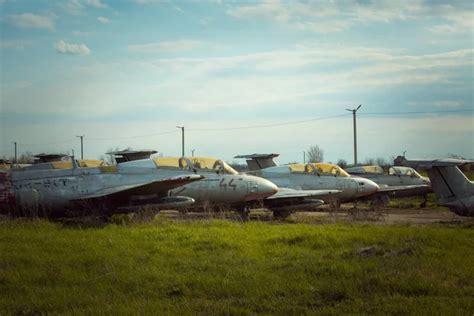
(354, 112)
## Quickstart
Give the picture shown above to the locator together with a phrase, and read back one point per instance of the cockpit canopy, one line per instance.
(323, 169)
(204, 164)
(374, 169)
(403, 171)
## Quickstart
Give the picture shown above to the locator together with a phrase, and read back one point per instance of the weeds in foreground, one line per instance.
(228, 267)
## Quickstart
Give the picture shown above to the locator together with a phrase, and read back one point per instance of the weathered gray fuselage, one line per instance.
(351, 188)
(217, 188)
(59, 189)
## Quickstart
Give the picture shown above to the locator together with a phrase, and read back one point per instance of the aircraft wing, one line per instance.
(145, 188)
(297, 200)
(400, 191)
(286, 193)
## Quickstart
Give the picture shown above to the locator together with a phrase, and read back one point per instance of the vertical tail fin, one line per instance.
(449, 182)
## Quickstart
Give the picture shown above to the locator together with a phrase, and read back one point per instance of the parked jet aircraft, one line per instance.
(453, 189)
(396, 175)
(224, 186)
(56, 191)
(311, 176)
(399, 182)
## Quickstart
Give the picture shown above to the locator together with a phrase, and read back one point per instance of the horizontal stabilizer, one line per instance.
(431, 163)
(259, 161)
(256, 156)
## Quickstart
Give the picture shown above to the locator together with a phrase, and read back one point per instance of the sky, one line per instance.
(241, 76)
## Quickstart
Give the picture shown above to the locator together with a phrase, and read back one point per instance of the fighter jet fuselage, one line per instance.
(54, 191)
(221, 186)
(308, 177)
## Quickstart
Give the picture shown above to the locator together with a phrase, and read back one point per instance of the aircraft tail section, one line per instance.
(259, 161)
(449, 183)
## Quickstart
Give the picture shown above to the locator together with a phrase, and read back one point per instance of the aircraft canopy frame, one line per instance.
(205, 164)
(320, 169)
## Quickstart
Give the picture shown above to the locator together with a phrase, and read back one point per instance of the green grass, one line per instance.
(414, 202)
(223, 267)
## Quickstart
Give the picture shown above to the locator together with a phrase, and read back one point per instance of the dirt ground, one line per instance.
(388, 216)
(384, 216)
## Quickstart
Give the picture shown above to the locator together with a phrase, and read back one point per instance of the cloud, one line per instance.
(79, 6)
(446, 104)
(205, 21)
(337, 16)
(72, 49)
(30, 20)
(305, 77)
(15, 44)
(95, 3)
(103, 20)
(149, 2)
(444, 28)
(166, 47)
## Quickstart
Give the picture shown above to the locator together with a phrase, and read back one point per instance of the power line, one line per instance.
(417, 112)
(252, 126)
(268, 125)
(52, 143)
(131, 137)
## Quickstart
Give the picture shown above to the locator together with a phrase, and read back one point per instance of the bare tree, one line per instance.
(381, 161)
(26, 157)
(342, 163)
(370, 161)
(315, 154)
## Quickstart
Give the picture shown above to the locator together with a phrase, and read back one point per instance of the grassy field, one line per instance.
(224, 267)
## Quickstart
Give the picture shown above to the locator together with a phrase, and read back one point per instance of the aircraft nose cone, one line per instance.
(261, 189)
(369, 187)
(268, 188)
(372, 187)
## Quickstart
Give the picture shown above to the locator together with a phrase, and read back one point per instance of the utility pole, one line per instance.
(182, 140)
(354, 111)
(82, 146)
(304, 157)
(16, 154)
(192, 152)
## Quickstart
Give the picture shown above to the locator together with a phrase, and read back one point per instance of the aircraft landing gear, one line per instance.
(424, 202)
(378, 202)
(244, 212)
(335, 205)
(281, 214)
